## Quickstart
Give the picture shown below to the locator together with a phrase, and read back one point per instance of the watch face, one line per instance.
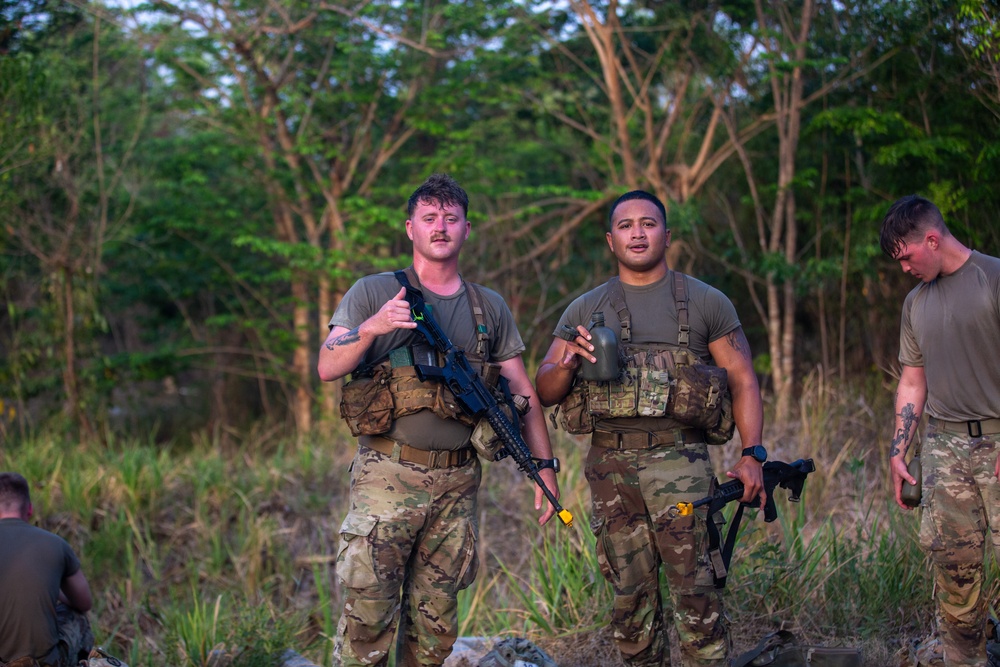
(757, 452)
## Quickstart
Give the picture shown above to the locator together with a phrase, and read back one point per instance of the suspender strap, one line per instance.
(617, 297)
(678, 285)
(679, 288)
(408, 277)
(482, 333)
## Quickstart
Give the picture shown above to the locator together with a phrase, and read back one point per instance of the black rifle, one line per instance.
(791, 476)
(474, 397)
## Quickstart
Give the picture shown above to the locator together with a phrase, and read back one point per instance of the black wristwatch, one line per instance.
(758, 453)
(547, 463)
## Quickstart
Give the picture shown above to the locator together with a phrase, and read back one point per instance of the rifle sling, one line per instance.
(721, 558)
(408, 278)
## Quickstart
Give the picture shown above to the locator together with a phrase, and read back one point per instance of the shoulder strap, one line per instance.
(408, 277)
(617, 297)
(679, 288)
(479, 316)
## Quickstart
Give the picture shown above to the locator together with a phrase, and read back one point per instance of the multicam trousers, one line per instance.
(632, 493)
(407, 547)
(961, 502)
(75, 637)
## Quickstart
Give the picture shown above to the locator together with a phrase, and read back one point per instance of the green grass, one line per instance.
(196, 549)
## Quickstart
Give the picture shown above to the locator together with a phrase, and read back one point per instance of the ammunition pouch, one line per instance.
(698, 392)
(371, 402)
(654, 382)
(366, 402)
(485, 440)
(572, 413)
(723, 431)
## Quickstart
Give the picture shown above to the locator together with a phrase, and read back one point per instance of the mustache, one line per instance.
(440, 237)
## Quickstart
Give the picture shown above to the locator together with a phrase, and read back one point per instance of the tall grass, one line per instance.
(200, 548)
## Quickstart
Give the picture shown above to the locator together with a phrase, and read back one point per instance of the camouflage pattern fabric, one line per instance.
(101, 658)
(75, 637)
(407, 547)
(516, 652)
(961, 501)
(632, 493)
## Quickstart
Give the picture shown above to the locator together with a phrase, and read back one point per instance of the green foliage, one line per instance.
(563, 591)
(194, 549)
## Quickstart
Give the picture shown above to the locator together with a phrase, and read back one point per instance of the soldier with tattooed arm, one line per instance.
(948, 352)
(651, 423)
(408, 544)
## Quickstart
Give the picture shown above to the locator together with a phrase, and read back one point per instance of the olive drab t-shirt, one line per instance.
(711, 315)
(33, 563)
(424, 430)
(951, 327)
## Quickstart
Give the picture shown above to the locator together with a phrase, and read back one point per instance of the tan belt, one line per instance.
(975, 428)
(435, 458)
(646, 439)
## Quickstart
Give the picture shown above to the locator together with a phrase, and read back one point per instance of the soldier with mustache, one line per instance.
(408, 543)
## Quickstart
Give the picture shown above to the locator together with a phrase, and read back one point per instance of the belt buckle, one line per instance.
(432, 458)
(979, 428)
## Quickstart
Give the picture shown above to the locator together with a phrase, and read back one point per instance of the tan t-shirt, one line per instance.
(711, 316)
(951, 327)
(425, 430)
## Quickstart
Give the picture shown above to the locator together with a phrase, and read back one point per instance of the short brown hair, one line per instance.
(908, 216)
(441, 189)
(14, 493)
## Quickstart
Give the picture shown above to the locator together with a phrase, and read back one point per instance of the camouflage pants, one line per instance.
(407, 547)
(961, 501)
(632, 492)
(75, 638)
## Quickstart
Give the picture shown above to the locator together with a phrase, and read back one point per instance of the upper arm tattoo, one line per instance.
(908, 417)
(352, 336)
(738, 342)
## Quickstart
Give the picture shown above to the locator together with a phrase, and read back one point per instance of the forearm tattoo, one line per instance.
(901, 441)
(352, 336)
(738, 342)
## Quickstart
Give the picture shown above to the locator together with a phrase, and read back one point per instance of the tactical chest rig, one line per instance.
(387, 389)
(656, 380)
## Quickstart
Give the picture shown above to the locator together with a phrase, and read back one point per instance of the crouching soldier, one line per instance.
(45, 596)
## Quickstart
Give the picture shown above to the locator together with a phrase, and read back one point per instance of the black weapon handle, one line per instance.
(790, 476)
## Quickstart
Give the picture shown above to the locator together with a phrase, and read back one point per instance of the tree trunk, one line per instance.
(71, 382)
(301, 368)
(787, 90)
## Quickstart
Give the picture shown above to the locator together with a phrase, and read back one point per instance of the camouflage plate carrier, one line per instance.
(656, 381)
